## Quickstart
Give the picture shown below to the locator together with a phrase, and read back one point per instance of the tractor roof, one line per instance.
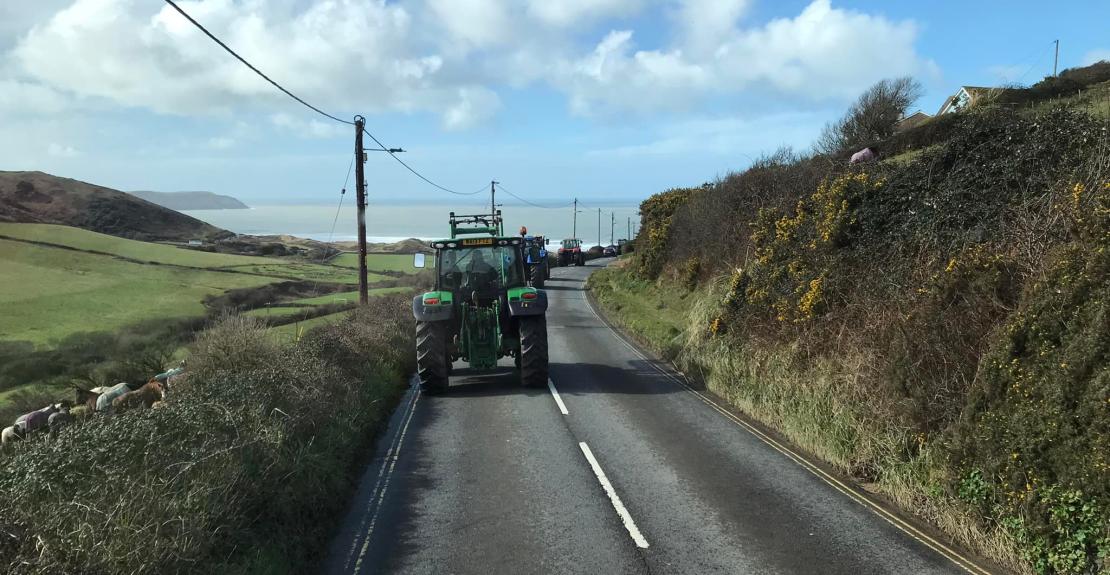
(486, 224)
(475, 242)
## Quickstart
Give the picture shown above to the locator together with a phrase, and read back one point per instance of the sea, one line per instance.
(387, 223)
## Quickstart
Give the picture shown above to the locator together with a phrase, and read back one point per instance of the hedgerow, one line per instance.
(243, 471)
(970, 286)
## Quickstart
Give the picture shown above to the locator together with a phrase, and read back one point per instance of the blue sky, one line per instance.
(606, 100)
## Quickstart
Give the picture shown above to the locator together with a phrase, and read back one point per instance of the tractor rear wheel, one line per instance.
(431, 355)
(533, 350)
(537, 274)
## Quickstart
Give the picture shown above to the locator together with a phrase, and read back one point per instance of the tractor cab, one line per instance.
(570, 253)
(537, 269)
(482, 307)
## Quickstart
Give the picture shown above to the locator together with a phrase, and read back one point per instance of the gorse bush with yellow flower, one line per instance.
(972, 282)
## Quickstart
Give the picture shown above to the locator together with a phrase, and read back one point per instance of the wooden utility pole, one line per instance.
(360, 198)
(574, 230)
(492, 203)
(599, 226)
(1056, 60)
(612, 224)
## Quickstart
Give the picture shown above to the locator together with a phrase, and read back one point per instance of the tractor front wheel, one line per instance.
(432, 362)
(533, 350)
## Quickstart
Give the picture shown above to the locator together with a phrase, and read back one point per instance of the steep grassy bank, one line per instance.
(937, 326)
(244, 471)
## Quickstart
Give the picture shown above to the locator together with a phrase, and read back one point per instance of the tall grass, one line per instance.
(244, 471)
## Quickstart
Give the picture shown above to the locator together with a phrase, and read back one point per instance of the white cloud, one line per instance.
(479, 23)
(23, 98)
(221, 143)
(340, 55)
(823, 53)
(310, 128)
(474, 105)
(61, 151)
(724, 136)
(1096, 56)
(446, 57)
(563, 13)
(615, 77)
(705, 24)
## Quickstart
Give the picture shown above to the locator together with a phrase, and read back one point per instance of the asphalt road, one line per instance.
(641, 474)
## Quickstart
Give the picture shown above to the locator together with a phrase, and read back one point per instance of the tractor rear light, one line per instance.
(528, 295)
(431, 300)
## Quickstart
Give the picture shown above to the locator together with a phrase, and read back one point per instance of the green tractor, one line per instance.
(482, 308)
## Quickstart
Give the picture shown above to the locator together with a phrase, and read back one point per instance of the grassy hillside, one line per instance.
(191, 200)
(35, 197)
(76, 291)
(936, 326)
(88, 307)
(132, 249)
(376, 262)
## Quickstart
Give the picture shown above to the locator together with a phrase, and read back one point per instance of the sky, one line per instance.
(609, 101)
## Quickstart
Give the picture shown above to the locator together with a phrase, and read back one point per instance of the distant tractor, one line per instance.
(481, 308)
(570, 253)
(537, 267)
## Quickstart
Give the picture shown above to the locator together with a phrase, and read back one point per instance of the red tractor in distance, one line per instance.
(570, 253)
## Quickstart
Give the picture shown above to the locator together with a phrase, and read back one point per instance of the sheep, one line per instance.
(35, 420)
(105, 401)
(10, 435)
(59, 419)
(143, 397)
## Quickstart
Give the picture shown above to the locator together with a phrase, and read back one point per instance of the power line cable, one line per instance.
(567, 205)
(393, 154)
(391, 151)
(255, 70)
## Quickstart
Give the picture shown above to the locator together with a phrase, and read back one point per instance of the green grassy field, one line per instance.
(306, 271)
(49, 293)
(377, 262)
(142, 251)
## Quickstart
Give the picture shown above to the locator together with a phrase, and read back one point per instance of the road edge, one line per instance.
(888, 510)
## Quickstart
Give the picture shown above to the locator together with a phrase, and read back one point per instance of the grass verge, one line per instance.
(244, 471)
(812, 400)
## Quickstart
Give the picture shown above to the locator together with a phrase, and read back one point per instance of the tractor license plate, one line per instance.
(478, 242)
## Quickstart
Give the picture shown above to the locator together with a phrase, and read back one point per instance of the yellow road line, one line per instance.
(952, 555)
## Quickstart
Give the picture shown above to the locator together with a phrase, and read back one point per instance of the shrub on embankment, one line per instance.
(244, 470)
(939, 326)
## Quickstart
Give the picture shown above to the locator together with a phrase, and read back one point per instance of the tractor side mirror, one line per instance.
(418, 260)
(547, 242)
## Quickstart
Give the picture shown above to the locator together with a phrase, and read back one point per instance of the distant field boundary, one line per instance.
(221, 269)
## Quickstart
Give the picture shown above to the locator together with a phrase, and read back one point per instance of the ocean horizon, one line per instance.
(387, 223)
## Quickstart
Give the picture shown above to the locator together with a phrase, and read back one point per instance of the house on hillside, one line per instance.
(967, 97)
(912, 121)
